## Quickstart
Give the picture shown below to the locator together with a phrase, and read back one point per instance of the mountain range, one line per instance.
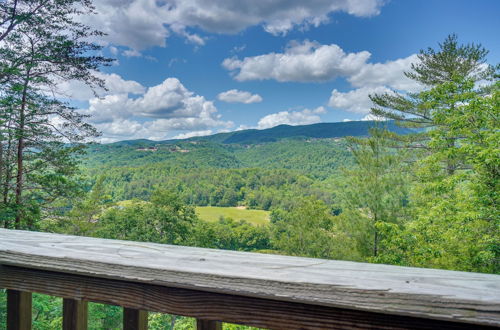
(274, 134)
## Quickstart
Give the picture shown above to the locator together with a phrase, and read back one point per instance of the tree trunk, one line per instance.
(2, 166)
(375, 236)
(20, 156)
(450, 163)
(450, 166)
(8, 170)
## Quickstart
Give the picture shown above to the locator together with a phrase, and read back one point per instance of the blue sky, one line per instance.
(197, 67)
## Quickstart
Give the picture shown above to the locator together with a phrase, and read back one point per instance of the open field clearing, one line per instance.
(212, 213)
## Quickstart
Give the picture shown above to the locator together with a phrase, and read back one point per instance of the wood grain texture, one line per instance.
(209, 306)
(19, 310)
(208, 325)
(135, 319)
(75, 314)
(427, 293)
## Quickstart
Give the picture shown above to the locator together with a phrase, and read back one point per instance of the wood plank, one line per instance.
(75, 314)
(19, 310)
(203, 305)
(134, 319)
(438, 294)
(208, 325)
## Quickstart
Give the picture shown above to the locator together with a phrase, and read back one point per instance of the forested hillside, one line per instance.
(318, 131)
(203, 173)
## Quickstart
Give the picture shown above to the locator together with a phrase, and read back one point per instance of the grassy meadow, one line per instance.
(213, 213)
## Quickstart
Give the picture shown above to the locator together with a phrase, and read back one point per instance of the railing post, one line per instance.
(208, 325)
(134, 319)
(75, 314)
(18, 310)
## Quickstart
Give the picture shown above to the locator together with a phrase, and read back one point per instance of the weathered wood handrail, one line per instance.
(262, 290)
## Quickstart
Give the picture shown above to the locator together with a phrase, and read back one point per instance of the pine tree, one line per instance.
(455, 219)
(374, 190)
(453, 204)
(39, 132)
(449, 63)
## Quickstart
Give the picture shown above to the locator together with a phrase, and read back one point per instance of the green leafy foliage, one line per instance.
(163, 220)
(310, 230)
(373, 191)
(253, 187)
(47, 312)
(318, 159)
(455, 219)
(228, 234)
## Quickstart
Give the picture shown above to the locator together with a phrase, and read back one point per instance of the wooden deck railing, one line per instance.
(215, 286)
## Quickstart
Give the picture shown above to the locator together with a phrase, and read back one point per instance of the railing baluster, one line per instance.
(208, 325)
(75, 314)
(134, 319)
(18, 310)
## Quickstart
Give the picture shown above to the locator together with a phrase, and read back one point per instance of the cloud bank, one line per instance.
(307, 61)
(155, 113)
(140, 24)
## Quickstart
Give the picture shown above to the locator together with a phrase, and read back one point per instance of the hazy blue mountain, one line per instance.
(256, 136)
(322, 130)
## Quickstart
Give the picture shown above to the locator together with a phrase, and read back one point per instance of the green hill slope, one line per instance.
(256, 136)
(319, 131)
(260, 169)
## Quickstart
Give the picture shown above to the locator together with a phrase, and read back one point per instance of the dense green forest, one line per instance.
(261, 176)
(419, 188)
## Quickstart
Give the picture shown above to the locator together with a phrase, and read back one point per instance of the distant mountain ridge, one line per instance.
(275, 157)
(256, 136)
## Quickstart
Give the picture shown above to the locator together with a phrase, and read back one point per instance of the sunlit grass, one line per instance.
(212, 213)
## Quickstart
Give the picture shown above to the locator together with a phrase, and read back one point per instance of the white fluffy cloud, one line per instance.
(193, 38)
(374, 78)
(304, 117)
(110, 108)
(193, 134)
(390, 73)
(310, 62)
(371, 117)
(236, 96)
(159, 112)
(120, 128)
(304, 62)
(356, 100)
(140, 24)
(172, 99)
(137, 24)
(114, 83)
(131, 53)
